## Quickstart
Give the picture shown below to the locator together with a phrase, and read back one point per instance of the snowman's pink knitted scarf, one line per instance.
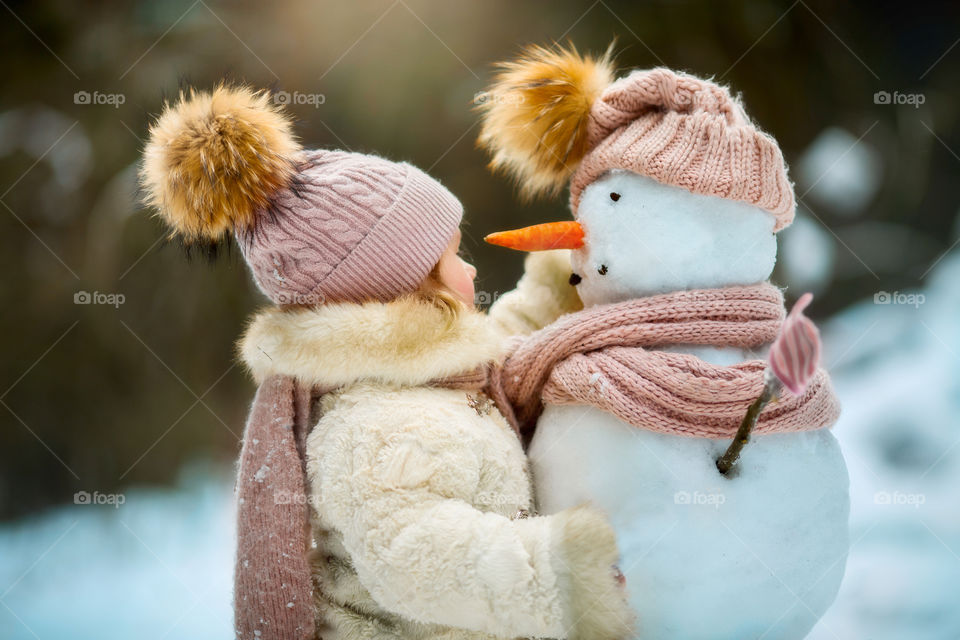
(607, 357)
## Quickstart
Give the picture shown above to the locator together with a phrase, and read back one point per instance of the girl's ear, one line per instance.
(535, 115)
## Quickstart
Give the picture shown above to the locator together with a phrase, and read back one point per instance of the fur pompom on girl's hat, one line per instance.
(314, 225)
(554, 116)
(215, 159)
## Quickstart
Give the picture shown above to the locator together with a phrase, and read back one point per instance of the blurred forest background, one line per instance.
(398, 78)
(131, 389)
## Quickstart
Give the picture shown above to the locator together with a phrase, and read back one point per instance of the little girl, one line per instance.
(369, 417)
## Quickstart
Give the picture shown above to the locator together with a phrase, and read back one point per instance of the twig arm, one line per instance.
(727, 461)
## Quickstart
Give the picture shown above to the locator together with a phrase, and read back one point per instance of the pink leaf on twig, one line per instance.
(795, 353)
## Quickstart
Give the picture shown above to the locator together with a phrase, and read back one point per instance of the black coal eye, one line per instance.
(614, 196)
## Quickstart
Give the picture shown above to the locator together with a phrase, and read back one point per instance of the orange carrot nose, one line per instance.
(541, 237)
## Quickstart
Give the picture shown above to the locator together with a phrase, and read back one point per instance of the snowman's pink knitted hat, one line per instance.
(686, 132)
(314, 226)
(553, 116)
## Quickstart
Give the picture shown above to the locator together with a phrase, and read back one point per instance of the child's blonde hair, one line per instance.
(431, 290)
(434, 291)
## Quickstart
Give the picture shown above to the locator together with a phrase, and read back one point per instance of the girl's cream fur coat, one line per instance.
(419, 493)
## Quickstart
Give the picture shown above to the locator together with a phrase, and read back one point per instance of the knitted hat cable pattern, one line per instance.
(314, 226)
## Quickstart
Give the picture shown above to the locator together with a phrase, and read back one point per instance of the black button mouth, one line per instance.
(602, 270)
(575, 279)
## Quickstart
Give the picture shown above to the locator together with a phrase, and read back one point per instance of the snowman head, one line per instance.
(642, 237)
(671, 185)
(637, 237)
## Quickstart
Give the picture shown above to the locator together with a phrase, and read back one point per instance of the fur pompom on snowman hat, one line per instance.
(314, 226)
(536, 115)
(554, 116)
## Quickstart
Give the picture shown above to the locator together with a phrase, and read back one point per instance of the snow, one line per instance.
(897, 369)
(705, 556)
(657, 238)
(158, 566)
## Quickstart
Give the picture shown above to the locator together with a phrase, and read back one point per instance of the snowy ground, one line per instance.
(159, 566)
(897, 371)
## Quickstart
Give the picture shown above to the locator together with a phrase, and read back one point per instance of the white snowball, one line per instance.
(656, 238)
(758, 555)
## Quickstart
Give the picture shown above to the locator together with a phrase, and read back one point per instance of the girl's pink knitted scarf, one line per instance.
(607, 357)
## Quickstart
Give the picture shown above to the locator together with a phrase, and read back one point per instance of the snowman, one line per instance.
(677, 198)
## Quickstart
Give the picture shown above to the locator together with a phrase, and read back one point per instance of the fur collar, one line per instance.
(406, 341)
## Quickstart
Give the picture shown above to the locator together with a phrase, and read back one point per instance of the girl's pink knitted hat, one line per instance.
(553, 116)
(355, 227)
(314, 226)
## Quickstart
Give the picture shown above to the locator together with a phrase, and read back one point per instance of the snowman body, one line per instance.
(758, 554)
